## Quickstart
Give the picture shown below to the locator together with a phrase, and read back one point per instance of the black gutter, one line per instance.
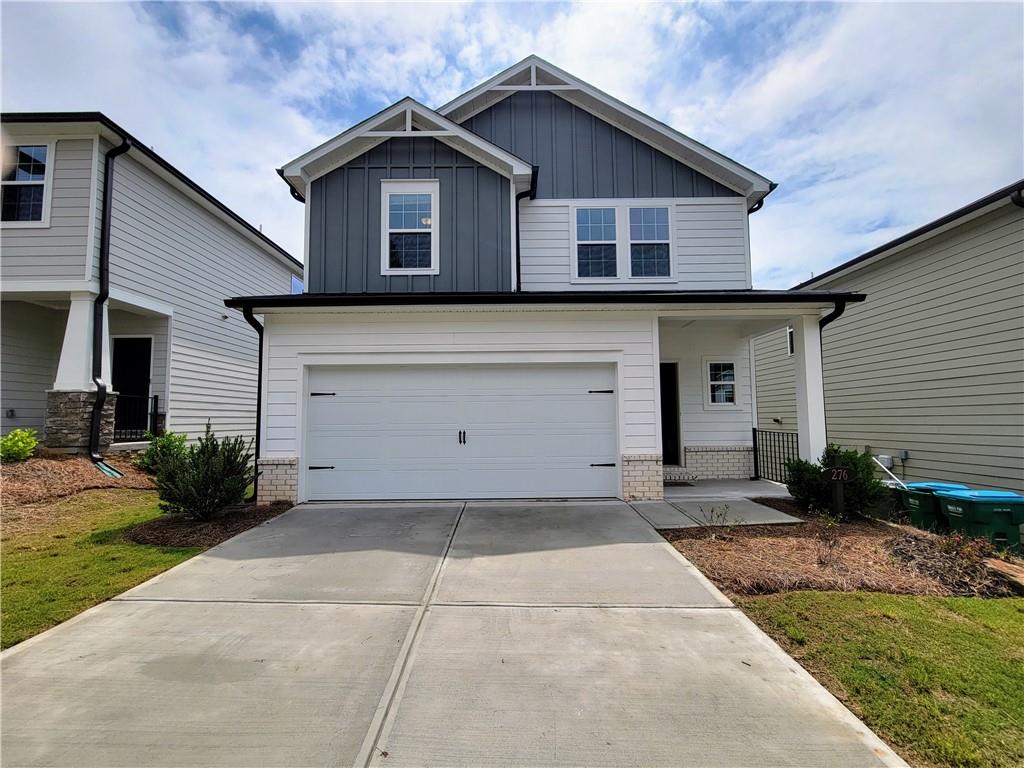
(745, 296)
(295, 193)
(247, 314)
(98, 329)
(1014, 191)
(772, 186)
(138, 146)
(530, 193)
(835, 314)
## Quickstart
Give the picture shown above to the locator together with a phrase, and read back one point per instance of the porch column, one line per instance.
(74, 371)
(810, 392)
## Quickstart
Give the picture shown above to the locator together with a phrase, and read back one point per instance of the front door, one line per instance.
(130, 379)
(670, 414)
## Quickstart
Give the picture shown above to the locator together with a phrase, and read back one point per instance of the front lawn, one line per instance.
(61, 557)
(941, 679)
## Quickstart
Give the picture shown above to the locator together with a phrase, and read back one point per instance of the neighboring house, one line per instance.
(532, 291)
(930, 370)
(167, 350)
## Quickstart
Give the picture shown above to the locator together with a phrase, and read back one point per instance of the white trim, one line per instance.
(752, 368)
(140, 301)
(390, 187)
(790, 342)
(152, 356)
(624, 267)
(705, 363)
(50, 143)
(495, 157)
(756, 186)
(307, 360)
(11, 287)
(512, 226)
(306, 203)
(656, 365)
(599, 202)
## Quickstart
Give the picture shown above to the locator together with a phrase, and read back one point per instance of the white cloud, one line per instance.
(873, 117)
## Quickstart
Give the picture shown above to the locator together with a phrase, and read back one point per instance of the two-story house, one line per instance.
(533, 291)
(114, 266)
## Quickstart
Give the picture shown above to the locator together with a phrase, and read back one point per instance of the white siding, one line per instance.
(30, 341)
(709, 239)
(166, 248)
(327, 337)
(691, 346)
(776, 382)
(933, 361)
(56, 252)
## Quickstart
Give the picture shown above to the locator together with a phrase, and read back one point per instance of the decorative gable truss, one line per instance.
(404, 119)
(535, 74)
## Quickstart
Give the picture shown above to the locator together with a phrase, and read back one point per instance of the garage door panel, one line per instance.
(393, 431)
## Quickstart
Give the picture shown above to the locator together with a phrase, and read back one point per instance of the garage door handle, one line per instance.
(462, 437)
(603, 465)
(321, 394)
(321, 467)
(600, 391)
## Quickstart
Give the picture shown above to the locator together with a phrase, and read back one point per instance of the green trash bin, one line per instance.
(920, 504)
(993, 515)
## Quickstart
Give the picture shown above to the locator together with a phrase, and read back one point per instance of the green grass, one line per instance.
(940, 679)
(75, 559)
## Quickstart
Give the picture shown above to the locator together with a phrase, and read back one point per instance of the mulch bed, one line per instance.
(860, 554)
(181, 531)
(43, 478)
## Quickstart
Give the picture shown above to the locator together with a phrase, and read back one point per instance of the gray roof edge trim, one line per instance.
(101, 119)
(950, 218)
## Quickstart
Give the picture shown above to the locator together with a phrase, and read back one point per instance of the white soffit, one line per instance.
(535, 74)
(405, 119)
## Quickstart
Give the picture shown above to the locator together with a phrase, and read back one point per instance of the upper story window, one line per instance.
(596, 243)
(25, 178)
(622, 243)
(409, 222)
(649, 243)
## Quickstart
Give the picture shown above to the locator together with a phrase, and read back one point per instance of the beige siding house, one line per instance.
(170, 354)
(930, 369)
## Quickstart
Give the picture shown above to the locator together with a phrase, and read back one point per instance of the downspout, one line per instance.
(98, 329)
(258, 327)
(1017, 198)
(837, 311)
(530, 193)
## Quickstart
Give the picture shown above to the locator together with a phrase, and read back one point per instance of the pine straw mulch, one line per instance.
(181, 531)
(867, 556)
(44, 478)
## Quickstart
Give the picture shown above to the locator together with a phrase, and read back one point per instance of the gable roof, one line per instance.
(406, 118)
(1011, 193)
(115, 133)
(535, 74)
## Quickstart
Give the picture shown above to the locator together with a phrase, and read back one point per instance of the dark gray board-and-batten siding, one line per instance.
(474, 227)
(581, 156)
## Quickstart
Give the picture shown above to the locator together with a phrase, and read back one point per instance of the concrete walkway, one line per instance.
(479, 634)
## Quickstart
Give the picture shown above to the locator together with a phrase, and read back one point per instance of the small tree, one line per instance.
(813, 492)
(207, 477)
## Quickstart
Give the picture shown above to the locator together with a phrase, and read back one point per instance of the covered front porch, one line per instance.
(47, 376)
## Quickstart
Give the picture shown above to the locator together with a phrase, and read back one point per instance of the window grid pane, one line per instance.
(596, 261)
(409, 250)
(595, 224)
(24, 163)
(722, 372)
(649, 260)
(409, 211)
(650, 224)
(723, 394)
(22, 202)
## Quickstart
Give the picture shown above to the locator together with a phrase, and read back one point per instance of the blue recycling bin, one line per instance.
(919, 502)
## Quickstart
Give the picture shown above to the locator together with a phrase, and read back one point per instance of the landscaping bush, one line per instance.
(161, 450)
(18, 445)
(813, 492)
(206, 477)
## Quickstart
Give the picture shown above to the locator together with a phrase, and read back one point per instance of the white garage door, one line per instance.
(461, 431)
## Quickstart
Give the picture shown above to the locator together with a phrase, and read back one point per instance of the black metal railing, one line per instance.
(134, 416)
(772, 449)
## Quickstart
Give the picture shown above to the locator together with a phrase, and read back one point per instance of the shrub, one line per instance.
(161, 449)
(206, 477)
(18, 445)
(813, 492)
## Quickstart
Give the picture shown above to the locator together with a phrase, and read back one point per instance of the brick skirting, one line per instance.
(728, 462)
(642, 477)
(279, 480)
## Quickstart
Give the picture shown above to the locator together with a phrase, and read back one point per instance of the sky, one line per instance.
(873, 118)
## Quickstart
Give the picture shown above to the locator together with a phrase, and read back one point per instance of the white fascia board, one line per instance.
(465, 141)
(737, 177)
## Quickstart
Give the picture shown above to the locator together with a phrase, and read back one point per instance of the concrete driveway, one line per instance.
(444, 634)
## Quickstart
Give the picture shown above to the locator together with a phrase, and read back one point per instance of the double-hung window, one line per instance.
(648, 243)
(596, 252)
(24, 184)
(721, 383)
(409, 222)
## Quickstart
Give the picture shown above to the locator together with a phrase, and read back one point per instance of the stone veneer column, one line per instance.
(69, 418)
(279, 480)
(642, 477)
